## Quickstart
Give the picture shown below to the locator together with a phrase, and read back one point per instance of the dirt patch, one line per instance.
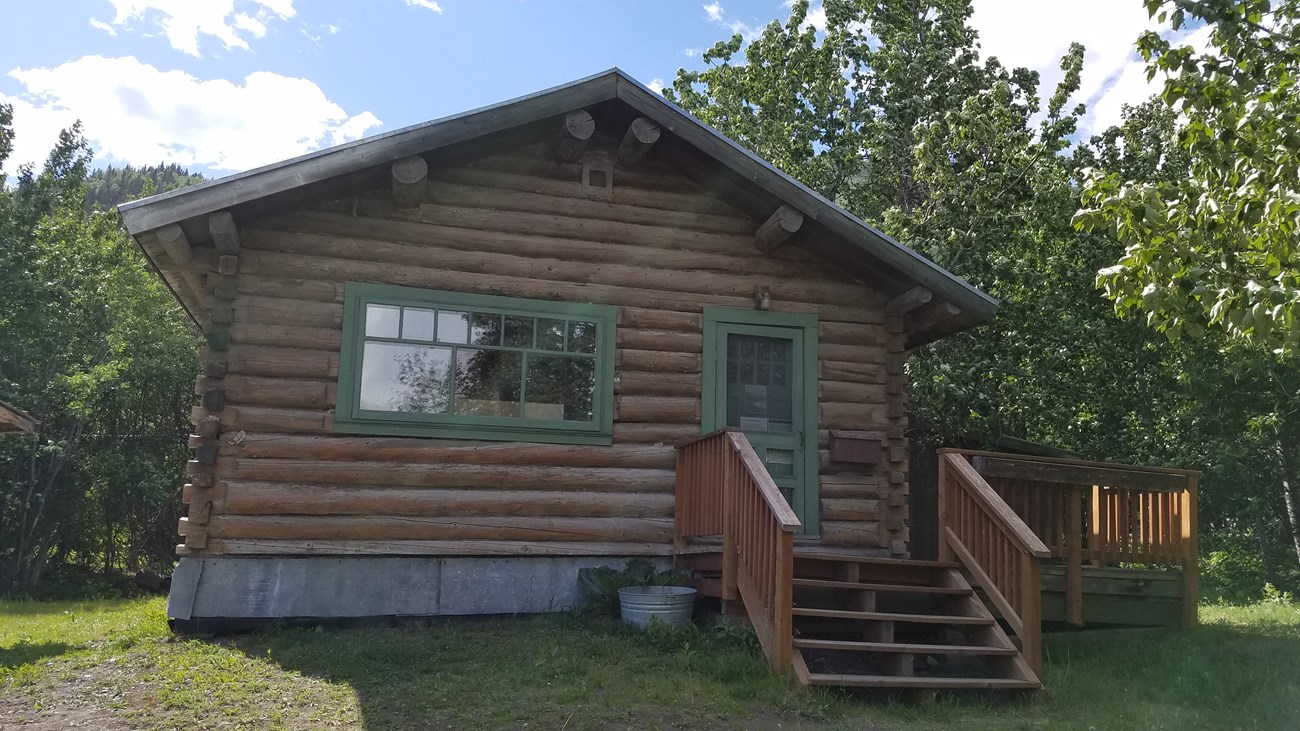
(69, 697)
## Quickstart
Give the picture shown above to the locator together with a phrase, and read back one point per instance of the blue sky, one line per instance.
(224, 85)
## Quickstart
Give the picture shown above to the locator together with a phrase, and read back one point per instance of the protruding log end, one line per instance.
(641, 136)
(409, 175)
(225, 234)
(576, 131)
(781, 225)
(908, 301)
(175, 243)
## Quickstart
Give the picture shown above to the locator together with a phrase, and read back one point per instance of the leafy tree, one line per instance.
(1218, 247)
(96, 349)
(109, 186)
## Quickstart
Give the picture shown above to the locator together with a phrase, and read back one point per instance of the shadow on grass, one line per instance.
(26, 653)
(555, 671)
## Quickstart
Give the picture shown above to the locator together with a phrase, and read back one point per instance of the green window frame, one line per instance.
(574, 342)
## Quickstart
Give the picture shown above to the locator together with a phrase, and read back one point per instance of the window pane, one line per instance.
(487, 382)
(550, 334)
(453, 327)
(760, 395)
(485, 329)
(405, 378)
(382, 321)
(582, 337)
(417, 324)
(519, 331)
(560, 388)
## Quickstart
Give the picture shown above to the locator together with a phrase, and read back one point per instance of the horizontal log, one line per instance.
(866, 487)
(284, 311)
(660, 409)
(318, 527)
(406, 474)
(670, 434)
(853, 333)
(852, 353)
(272, 498)
(853, 533)
(849, 509)
(531, 243)
(286, 336)
(258, 360)
(857, 416)
(656, 361)
(532, 162)
(636, 317)
(832, 370)
(430, 548)
(259, 418)
(846, 391)
(263, 391)
(664, 340)
(504, 199)
(657, 383)
(445, 452)
(542, 264)
(315, 290)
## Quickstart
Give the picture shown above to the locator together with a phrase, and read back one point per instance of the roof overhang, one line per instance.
(13, 419)
(948, 303)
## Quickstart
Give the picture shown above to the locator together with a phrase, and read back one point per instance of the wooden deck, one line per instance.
(1025, 542)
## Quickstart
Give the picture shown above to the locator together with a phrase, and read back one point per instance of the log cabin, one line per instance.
(449, 366)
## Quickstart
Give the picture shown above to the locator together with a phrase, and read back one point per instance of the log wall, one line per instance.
(279, 480)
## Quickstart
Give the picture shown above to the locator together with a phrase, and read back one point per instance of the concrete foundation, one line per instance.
(247, 589)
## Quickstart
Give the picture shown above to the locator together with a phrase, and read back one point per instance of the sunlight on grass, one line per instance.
(561, 671)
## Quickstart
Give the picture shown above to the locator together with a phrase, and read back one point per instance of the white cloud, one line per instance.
(133, 112)
(717, 14)
(656, 85)
(426, 4)
(183, 21)
(101, 25)
(690, 52)
(1037, 34)
(714, 12)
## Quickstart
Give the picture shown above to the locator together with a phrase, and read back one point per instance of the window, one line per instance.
(461, 366)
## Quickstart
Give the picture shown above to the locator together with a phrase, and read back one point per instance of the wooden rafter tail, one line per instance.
(187, 285)
(409, 176)
(225, 234)
(575, 133)
(641, 137)
(908, 301)
(14, 419)
(175, 243)
(935, 314)
(780, 226)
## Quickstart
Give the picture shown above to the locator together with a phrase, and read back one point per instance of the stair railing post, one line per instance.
(730, 556)
(783, 603)
(1074, 562)
(945, 507)
(1031, 611)
(1191, 569)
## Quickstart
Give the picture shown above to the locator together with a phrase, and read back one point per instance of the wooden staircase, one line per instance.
(896, 624)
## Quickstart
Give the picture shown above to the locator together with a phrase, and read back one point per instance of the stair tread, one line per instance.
(870, 586)
(892, 617)
(825, 554)
(909, 647)
(919, 681)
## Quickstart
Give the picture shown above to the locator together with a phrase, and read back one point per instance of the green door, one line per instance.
(757, 381)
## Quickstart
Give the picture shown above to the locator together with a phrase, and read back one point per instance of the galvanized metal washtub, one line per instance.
(671, 605)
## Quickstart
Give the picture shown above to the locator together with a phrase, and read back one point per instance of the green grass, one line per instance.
(114, 664)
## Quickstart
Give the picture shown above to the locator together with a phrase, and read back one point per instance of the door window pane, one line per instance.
(411, 378)
(487, 382)
(382, 321)
(760, 395)
(550, 334)
(582, 337)
(560, 388)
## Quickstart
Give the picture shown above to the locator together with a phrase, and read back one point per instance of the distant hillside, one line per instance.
(109, 187)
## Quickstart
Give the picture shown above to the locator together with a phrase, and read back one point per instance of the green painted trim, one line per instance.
(809, 511)
(351, 419)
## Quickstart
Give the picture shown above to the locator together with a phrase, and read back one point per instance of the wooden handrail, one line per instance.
(1002, 554)
(1100, 511)
(724, 489)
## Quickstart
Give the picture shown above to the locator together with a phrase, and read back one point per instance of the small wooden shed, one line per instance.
(448, 366)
